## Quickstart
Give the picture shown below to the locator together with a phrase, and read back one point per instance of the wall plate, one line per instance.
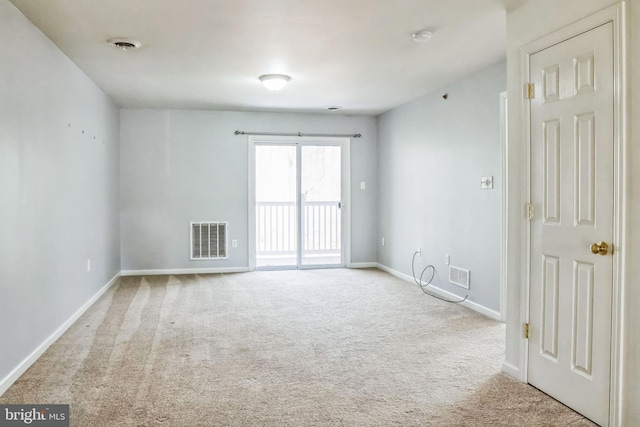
(486, 182)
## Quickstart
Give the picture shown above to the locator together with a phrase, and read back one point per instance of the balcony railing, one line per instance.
(277, 222)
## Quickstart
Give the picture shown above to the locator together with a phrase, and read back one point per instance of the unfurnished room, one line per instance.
(319, 213)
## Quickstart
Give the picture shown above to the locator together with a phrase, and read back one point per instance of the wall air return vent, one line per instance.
(459, 276)
(208, 240)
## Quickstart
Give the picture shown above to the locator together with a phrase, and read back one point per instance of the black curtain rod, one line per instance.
(299, 134)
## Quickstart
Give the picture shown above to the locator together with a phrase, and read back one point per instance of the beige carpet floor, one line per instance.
(288, 348)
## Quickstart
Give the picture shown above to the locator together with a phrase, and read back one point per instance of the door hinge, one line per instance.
(529, 91)
(526, 330)
(529, 210)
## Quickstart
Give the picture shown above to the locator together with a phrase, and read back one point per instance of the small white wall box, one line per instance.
(486, 182)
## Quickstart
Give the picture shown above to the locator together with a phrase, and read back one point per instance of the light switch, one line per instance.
(486, 182)
(363, 185)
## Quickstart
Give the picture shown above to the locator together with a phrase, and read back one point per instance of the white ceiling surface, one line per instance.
(208, 54)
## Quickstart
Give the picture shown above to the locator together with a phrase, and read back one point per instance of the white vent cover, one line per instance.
(459, 276)
(208, 240)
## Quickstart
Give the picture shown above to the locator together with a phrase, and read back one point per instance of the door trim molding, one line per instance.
(617, 15)
(345, 143)
(504, 220)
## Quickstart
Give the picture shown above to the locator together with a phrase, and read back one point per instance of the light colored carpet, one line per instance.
(289, 348)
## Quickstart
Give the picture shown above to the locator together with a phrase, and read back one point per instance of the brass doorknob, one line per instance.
(600, 248)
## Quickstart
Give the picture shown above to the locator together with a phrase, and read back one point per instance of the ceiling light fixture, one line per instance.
(274, 81)
(124, 44)
(422, 36)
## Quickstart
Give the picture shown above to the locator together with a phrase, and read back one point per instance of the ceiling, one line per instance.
(208, 54)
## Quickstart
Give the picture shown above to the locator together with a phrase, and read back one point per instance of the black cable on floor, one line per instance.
(423, 287)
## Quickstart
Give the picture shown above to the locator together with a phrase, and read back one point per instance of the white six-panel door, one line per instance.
(572, 183)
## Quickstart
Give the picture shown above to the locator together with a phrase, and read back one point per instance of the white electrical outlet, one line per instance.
(419, 251)
(234, 243)
(447, 259)
(88, 265)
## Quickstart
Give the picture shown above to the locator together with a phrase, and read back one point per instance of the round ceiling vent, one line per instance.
(124, 44)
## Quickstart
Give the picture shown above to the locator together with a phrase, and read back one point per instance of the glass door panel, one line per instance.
(276, 184)
(320, 205)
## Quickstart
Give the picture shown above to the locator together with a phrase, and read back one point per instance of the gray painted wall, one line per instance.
(58, 188)
(180, 166)
(432, 154)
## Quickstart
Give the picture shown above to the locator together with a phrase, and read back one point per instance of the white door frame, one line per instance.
(615, 14)
(346, 188)
(504, 220)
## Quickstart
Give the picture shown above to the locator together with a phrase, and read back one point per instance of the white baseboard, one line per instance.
(363, 265)
(13, 376)
(446, 294)
(183, 271)
(511, 370)
(396, 273)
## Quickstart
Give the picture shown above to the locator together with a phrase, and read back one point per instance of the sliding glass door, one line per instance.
(320, 205)
(298, 204)
(276, 206)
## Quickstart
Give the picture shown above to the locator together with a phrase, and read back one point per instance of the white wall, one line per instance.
(58, 188)
(432, 154)
(180, 166)
(528, 22)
